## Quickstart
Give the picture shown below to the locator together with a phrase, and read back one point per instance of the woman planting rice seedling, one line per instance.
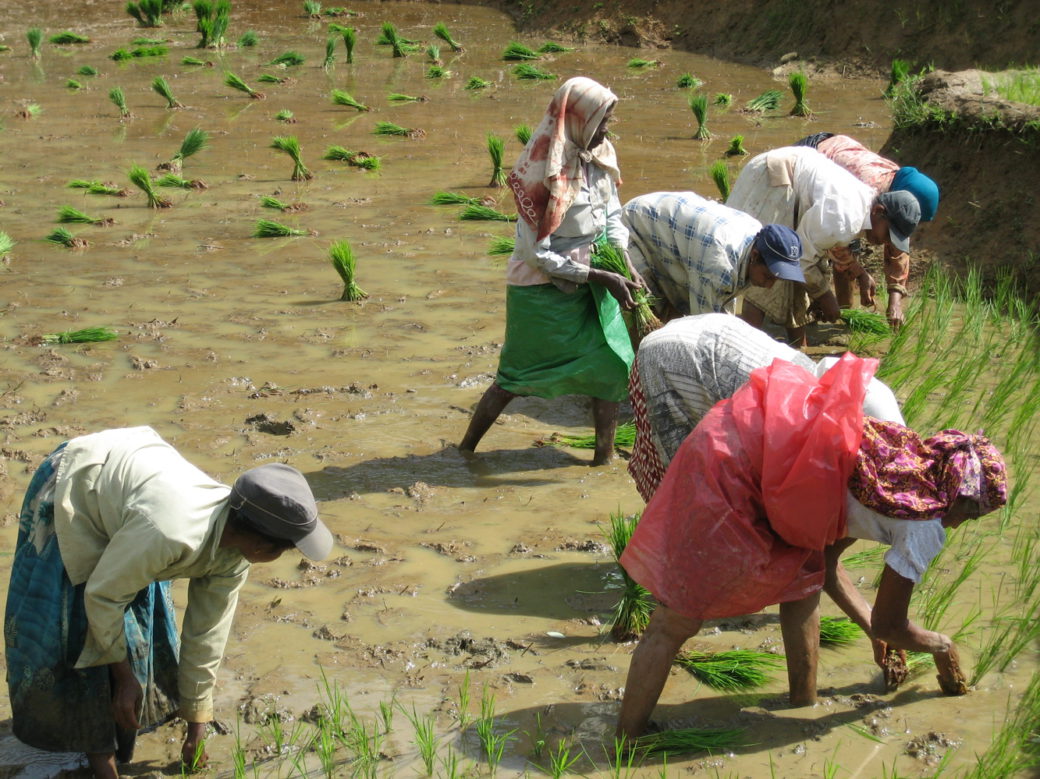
(163, 89)
(699, 106)
(69, 215)
(233, 81)
(496, 148)
(529, 72)
(266, 228)
(565, 203)
(345, 263)
(339, 97)
(84, 336)
(115, 94)
(754, 538)
(140, 178)
(92, 637)
(63, 237)
(799, 84)
(441, 31)
(291, 146)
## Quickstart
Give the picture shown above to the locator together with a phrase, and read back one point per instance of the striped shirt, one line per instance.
(691, 251)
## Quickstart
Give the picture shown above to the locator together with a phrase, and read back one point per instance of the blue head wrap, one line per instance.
(921, 187)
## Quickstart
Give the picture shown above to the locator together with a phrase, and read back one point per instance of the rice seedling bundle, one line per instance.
(799, 84)
(867, 557)
(720, 175)
(70, 215)
(345, 263)
(29, 111)
(140, 179)
(501, 246)
(63, 237)
(639, 64)
(496, 149)
(401, 47)
(312, 8)
(475, 212)
(148, 41)
(272, 202)
(631, 615)
(476, 82)
(34, 35)
(291, 146)
(681, 742)
(736, 147)
(397, 97)
(339, 97)
(173, 180)
(527, 71)
(115, 94)
(339, 153)
(699, 106)
(120, 55)
(97, 188)
(523, 133)
(285, 115)
(86, 70)
(688, 81)
(624, 435)
(436, 71)
(433, 53)
(349, 41)
(365, 161)
(162, 88)
(330, 54)
(552, 47)
(266, 228)
(838, 631)
(517, 51)
(148, 13)
(860, 321)
(194, 61)
(730, 671)
(6, 244)
(767, 101)
(270, 78)
(897, 74)
(453, 199)
(288, 59)
(441, 31)
(723, 100)
(233, 81)
(212, 21)
(607, 256)
(73, 84)
(68, 38)
(86, 335)
(248, 39)
(389, 128)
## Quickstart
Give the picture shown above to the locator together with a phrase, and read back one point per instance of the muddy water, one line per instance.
(238, 350)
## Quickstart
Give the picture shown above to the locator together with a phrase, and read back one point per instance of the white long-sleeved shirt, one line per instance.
(129, 511)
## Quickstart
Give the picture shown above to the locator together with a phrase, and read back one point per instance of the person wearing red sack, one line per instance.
(738, 524)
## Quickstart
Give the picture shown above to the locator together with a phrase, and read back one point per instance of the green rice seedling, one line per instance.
(397, 97)
(194, 61)
(624, 436)
(496, 150)
(148, 41)
(441, 31)
(148, 13)
(523, 133)
(736, 147)
(699, 106)
(609, 257)
(433, 53)
(139, 178)
(730, 671)
(248, 39)
(639, 64)
(501, 246)
(529, 72)
(464, 695)
(173, 180)
(631, 614)
(233, 81)
(386, 713)
(389, 128)
(121, 55)
(119, 100)
(538, 739)
(562, 759)
(436, 71)
(34, 35)
(799, 84)
(162, 88)
(339, 153)
(68, 38)
(291, 146)
(272, 202)
(688, 81)
(285, 115)
(399, 45)
(868, 557)
(898, 73)
(84, 336)
(476, 82)
(266, 228)
(723, 100)
(425, 739)
(349, 42)
(552, 47)
(365, 161)
(1013, 750)
(288, 59)
(70, 215)
(212, 21)
(481, 213)
(312, 8)
(838, 631)
(6, 244)
(767, 101)
(330, 54)
(682, 742)
(142, 52)
(454, 199)
(63, 237)
(492, 743)
(98, 188)
(86, 70)
(517, 51)
(339, 97)
(73, 84)
(858, 320)
(270, 78)
(345, 263)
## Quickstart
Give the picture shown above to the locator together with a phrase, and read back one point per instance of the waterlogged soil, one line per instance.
(239, 351)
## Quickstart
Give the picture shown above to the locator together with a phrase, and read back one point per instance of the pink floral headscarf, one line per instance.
(900, 475)
(547, 177)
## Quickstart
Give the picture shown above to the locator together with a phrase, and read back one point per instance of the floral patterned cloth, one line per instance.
(899, 474)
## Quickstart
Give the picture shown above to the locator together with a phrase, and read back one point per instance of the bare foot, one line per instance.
(951, 679)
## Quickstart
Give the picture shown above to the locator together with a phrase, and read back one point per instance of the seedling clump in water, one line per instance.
(291, 146)
(140, 178)
(345, 263)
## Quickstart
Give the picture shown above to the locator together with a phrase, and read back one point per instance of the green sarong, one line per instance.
(564, 344)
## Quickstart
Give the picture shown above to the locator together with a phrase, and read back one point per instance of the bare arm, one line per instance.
(843, 592)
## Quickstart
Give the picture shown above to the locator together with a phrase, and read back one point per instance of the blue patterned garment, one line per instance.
(54, 705)
(691, 251)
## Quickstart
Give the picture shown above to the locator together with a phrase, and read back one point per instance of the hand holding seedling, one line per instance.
(193, 751)
(617, 285)
(867, 289)
(951, 678)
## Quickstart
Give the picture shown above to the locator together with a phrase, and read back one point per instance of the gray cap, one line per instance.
(903, 212)
(278, 502)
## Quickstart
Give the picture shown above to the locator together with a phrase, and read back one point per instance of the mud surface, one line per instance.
(239, 351)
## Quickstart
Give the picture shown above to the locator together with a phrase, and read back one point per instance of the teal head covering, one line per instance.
(921, 187)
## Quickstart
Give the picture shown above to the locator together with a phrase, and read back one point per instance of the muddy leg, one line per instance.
(484, 416)
(103, 764)
(800, 626)
(796, 337)
(753, 315)
(604, 419)
(843, 289)
(649, 668)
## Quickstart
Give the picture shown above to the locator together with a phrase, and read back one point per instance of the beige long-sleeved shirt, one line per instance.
(129, 511)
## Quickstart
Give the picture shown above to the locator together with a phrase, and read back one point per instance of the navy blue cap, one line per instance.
(781, 249)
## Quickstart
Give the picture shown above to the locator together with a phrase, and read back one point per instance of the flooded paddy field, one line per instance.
(454, 580)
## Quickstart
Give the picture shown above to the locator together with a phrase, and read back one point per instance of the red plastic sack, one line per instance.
(754, 494)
